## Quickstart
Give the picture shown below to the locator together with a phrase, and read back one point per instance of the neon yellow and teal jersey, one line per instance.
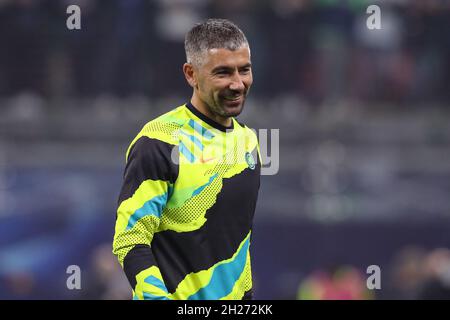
(186, 207)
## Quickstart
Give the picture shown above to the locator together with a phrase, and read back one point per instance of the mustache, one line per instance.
(234, 93)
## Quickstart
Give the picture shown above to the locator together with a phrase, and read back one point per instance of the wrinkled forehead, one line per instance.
(225, 57)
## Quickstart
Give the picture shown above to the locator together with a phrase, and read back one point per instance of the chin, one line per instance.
(234, 113)
(229, 111)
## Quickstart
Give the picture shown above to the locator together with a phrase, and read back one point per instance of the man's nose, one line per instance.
(237, 84)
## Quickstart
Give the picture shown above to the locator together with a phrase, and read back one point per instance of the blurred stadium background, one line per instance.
(364, 140)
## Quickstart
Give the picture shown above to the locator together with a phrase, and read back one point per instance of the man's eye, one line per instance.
(245, 71)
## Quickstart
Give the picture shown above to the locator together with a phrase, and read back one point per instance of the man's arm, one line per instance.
(148, 180)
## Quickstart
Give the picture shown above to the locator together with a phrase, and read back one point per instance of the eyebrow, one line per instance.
(218, 68)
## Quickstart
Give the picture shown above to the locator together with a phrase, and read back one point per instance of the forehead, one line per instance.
(225, 57)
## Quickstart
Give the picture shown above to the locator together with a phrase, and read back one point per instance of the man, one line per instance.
(191, 181)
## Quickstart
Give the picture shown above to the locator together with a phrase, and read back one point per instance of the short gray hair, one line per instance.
(212, 34)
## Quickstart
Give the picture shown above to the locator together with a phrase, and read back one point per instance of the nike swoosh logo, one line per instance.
(202, 160)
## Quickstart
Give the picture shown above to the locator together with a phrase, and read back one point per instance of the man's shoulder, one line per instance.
(177, 116)
(247, 131)
(163, 128)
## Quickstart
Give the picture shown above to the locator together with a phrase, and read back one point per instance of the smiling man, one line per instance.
(191, 181)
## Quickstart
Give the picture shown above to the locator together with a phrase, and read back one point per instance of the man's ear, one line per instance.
(189, 74)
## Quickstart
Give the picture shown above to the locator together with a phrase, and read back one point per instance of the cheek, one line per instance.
(203, 89)
(208, 91)
(215, 88)
(248, 81)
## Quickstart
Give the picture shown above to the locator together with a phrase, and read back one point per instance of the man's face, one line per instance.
(224, 80)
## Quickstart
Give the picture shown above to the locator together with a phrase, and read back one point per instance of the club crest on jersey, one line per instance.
(250, 160)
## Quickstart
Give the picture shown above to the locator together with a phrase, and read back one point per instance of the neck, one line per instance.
(204, 109)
